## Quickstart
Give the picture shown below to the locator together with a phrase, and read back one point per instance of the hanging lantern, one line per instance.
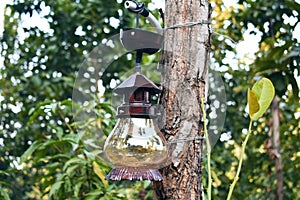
(136, 147)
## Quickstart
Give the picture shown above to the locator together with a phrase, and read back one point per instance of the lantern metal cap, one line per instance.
(144, 41)
(136, 81)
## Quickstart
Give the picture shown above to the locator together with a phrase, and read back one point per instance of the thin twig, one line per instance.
(208, 153)
(236, 178)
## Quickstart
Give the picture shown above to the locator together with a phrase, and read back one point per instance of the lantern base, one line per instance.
(134, 173)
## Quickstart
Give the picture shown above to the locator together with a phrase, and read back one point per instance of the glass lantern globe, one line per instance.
(137, 146)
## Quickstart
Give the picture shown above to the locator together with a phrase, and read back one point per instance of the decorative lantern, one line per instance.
(136, 146)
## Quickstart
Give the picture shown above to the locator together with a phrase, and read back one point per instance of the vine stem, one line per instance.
(236, 178)
(208, 153)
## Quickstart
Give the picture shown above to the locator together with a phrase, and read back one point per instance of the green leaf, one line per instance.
(37, 111)
(68, 103)
(74, 161)
(3, 194)
(55, 188)
(34, 115)
(4, 173)
(34, 146)
(253, 103)
(293, 53)
(265, 92)
(59, 132)
(94, 194)
(72, 139)
(71, 170)
(57, 156)
(77, 188)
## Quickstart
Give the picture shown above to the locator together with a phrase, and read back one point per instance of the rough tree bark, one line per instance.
(184, 72)
(276, 148)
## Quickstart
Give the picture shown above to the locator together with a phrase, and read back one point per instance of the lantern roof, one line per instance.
(136, 81)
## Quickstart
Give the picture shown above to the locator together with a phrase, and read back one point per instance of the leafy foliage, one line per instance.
(277, 60)
(43, 152)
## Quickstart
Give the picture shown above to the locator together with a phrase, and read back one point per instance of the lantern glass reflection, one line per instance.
(136, 142)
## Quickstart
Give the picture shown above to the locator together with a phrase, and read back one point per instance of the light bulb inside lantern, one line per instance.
(136, 148)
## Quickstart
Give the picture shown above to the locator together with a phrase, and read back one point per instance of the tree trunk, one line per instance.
(184, 74)
(276, 146)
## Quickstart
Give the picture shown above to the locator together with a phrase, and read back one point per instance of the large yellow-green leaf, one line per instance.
(253, 103)
(264, 92)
